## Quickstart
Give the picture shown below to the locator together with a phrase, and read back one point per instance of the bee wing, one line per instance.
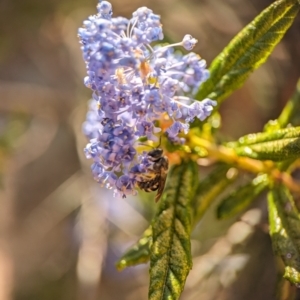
(161, 187)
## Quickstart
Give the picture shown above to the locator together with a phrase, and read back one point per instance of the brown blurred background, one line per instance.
(60, 233)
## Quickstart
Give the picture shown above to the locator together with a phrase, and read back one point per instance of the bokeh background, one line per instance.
(60, 234)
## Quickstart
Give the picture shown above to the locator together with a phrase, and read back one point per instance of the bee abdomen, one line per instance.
(149, 186)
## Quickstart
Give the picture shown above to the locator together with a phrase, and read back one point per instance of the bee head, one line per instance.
(155, 154)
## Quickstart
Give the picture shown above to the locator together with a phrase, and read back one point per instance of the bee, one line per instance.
(155, 177)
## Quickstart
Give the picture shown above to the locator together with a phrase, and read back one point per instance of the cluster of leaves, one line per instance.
(270, 155)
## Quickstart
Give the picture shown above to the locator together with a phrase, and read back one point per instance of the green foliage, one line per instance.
(284, 230)
(209, 188)
(171, 260)
(270, 156)
(242, 197)
(139, 253)
(290, 114)
(248, 50)
(252, 139)
(277, 145)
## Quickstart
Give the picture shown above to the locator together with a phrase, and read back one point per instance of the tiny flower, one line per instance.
(189, 42)
(105, 9)
(125, 186)
(176, 128)
(134, 85)
(147, 129)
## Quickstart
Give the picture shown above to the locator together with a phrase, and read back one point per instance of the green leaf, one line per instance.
(170, 260)
(284, 230)
(277, 145)
(139, 253)
(210, 187)
(256, 138)
(240, 199)
(280, 150)
(248, 50)
(290, 113)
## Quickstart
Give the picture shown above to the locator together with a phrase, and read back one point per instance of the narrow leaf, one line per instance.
(248, 50)
(290, 113)
(256, 138)
(139, 253)
(210, 187)
(284, 222)
(279, 150)
(170, 260)
(241, 198)
(277, 145)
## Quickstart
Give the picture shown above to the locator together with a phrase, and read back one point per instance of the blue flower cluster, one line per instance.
(133, 86)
